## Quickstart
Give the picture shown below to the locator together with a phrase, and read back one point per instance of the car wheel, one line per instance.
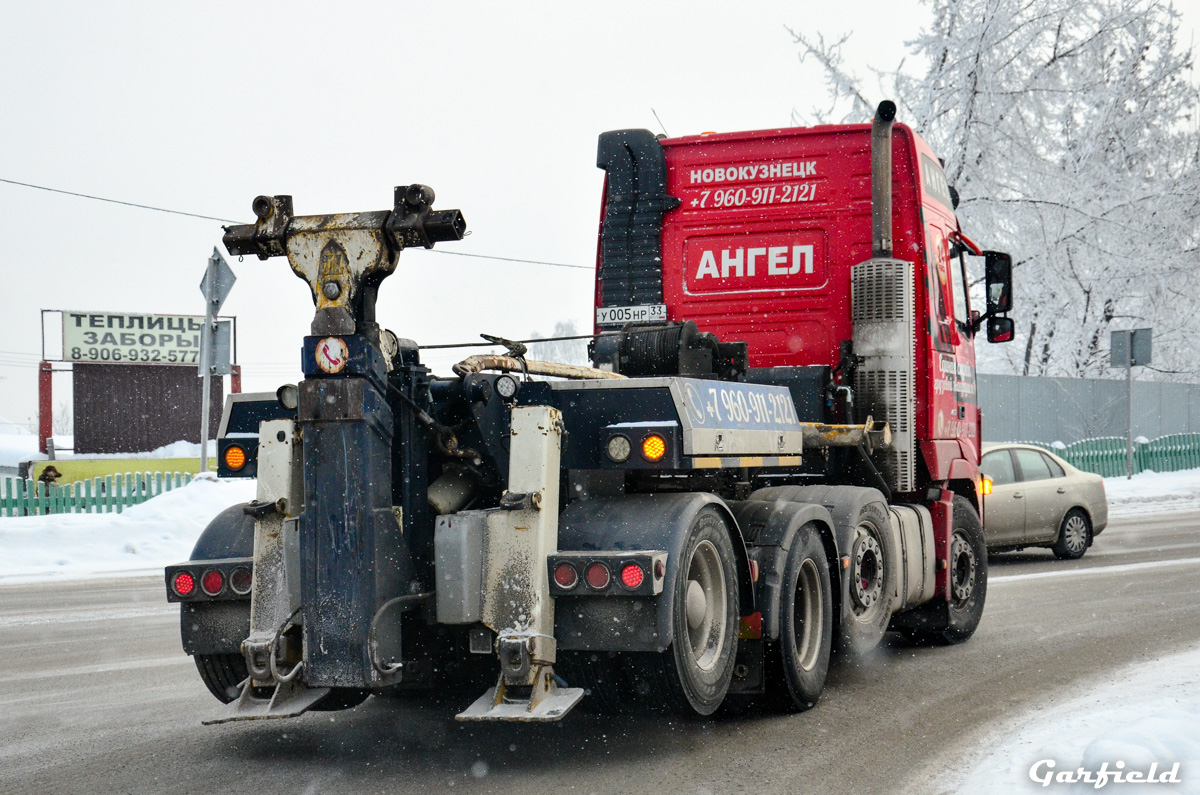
(1074, 536)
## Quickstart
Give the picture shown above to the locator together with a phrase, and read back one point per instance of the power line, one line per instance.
(231, 221)
(117, 201)
(514, 259)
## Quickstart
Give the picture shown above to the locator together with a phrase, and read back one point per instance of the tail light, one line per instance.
(235, 457)
(184, 583)
(212, 582)
(632, 576)
(606, 573)
(598, 576)
(565, 576)
(241, 580)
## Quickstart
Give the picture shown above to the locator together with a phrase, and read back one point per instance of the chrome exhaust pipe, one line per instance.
(881, 179)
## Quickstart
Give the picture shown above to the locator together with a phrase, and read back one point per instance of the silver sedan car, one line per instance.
(1039, 500)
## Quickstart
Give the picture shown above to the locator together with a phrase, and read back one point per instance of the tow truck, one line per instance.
(773, 455)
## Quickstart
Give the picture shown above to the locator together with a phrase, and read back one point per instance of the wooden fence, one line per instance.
(108, 494)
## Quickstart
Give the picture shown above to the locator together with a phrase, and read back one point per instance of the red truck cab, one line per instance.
(760, 245)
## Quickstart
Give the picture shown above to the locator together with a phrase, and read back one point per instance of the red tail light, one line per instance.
(184, 584)
(212, 582)
(598, 576)
(632, 576)
(565, 575)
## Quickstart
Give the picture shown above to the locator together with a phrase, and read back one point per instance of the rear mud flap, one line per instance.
(289, 700)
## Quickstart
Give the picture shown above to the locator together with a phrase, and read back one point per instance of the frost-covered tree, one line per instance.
(557, 350)
(1070, 129)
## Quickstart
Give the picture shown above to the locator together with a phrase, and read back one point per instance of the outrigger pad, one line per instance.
(553, 706)
(289, 700)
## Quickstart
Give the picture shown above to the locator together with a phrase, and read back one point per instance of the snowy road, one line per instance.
(96, 695)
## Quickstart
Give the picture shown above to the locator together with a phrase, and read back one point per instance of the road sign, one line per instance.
(215, 338)
(222, 352)
(222, 277)
(1131, 348)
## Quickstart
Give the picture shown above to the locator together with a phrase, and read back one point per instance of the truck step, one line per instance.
(289, 700)
(553, 706)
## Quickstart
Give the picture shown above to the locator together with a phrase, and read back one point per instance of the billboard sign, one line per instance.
(130, 338)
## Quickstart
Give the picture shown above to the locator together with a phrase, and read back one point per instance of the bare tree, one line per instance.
(1069, 127)
(557, 350)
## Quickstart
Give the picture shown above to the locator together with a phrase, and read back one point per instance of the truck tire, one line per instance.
(867, 586)
(869, 583)
(955, 620)
(692, 675)
(223, 674)
(1074, 536)
(801, 656)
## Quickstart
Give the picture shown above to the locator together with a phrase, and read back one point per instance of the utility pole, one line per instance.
(215, 340)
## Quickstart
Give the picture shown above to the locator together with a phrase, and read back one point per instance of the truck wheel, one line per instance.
(955, 621)
(692, 676)
(1074, 536)
(223, 674)
(869, 581)
(968, 573)
(806, 622)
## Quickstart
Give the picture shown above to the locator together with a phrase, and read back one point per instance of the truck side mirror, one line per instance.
(1000, 329)
(998, 279)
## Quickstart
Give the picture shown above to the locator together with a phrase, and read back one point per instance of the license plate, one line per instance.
(620, 315)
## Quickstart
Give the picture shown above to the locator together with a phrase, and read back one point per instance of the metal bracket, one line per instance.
(288, 700)
(544, 701)
(521, 501)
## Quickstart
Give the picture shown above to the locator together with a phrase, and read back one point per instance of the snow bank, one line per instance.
(18, 447)
(141, 540)
(1154, 492)
(1144, 714)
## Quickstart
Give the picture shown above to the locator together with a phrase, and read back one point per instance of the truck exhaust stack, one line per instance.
(881, 179)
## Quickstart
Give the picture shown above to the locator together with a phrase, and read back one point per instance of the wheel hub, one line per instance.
(1076, 534)
(868, 572)
(807, 616)
(962, 581)
(704, 605)
(697, 604)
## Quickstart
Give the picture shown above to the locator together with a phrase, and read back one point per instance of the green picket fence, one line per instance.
(108, 494)
(1106, 456)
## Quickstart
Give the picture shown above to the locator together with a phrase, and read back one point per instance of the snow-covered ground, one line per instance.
(1142, 715)
(1153, 492)
(140, 540)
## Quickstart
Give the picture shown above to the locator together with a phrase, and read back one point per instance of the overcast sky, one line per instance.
(496, 106)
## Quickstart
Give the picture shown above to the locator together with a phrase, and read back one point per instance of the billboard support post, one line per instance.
(45, 405)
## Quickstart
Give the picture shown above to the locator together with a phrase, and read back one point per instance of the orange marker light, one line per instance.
(654, 447)
(235, 457)
(985, 485)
